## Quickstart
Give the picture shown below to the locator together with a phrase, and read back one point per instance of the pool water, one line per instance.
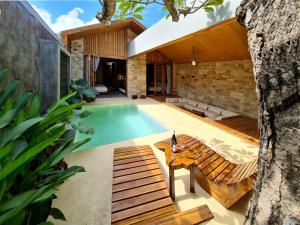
(114, 123)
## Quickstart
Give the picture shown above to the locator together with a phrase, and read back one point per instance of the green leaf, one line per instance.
(3, 186)
(60, 176)
(208, 9)
(30, 153)
(15, 201)
(19, 219)
(34, 107)
(23, 202)
(3, 74)
(22, 101)
(14, 133)
(9, 91)
(7, 149)
(138, 16)
(139, 9)
(62, 101)
(7, 118)
(57, 214)
(56, 158)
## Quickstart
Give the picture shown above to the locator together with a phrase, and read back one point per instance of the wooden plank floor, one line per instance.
(242, 124)
(139, 191)
(243, 127)
(140, 195)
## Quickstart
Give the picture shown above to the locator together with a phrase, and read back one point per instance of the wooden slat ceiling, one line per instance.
(80, 32)
(222, 42)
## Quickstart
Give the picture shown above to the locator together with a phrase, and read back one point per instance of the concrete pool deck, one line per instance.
(86, 198)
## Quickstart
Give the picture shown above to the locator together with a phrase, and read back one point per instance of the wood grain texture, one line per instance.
(140, 195)
(224, 180)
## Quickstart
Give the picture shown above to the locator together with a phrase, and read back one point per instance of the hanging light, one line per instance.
(194, 57)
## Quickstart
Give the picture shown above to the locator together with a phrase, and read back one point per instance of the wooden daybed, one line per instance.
(227, 182)
(140, 195)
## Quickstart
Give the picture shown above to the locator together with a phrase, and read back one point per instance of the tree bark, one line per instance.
(108, 11)
(274, 43)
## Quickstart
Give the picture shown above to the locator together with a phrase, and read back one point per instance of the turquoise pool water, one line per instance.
(114, 123)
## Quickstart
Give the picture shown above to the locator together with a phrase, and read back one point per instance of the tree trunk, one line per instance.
(274, 43)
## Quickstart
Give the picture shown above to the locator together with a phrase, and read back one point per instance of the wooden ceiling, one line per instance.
(224, 41)
(84, 31)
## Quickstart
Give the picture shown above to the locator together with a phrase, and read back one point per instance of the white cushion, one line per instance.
(192, 103)
(172, 100)
(182, 100)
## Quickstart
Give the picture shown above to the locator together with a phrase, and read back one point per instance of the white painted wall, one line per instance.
(165, 30)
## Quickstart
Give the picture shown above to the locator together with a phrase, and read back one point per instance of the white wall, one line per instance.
(165, 30)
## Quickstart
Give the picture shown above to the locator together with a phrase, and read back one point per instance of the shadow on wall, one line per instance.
(219, 14)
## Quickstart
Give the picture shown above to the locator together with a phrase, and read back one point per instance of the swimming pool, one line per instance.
(114, 123)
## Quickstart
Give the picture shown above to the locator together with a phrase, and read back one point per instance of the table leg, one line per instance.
(192, 180)
(171, 183)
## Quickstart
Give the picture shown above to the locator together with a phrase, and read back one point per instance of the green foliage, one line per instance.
(135, 8)
(81, 87)
(209, 5)
(28, 181)
(127, 8)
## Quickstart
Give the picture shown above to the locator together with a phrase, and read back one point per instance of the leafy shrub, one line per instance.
(32, 148)
(83, 90)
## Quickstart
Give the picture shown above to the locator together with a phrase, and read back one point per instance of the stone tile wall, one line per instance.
(77, 58)
(228, 84)
(136, 75)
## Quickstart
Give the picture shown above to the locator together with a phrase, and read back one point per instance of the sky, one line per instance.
(66, 14)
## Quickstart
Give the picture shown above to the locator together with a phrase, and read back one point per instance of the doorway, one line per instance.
(111, 74)
(159, 79)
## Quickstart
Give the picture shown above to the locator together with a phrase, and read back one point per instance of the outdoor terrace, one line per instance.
(95, 186)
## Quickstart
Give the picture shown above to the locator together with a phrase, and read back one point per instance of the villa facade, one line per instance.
(204, 57)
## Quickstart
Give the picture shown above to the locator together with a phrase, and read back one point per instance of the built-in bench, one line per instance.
(226, 181)
(140, 195)
(201, 109)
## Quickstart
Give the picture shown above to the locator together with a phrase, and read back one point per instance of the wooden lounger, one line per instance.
(227, 182)
(140, 195)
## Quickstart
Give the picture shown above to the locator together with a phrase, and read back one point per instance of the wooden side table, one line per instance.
(177, 161)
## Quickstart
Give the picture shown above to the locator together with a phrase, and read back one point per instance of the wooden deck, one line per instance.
(140, 195)
(243, 127)
(227, 182)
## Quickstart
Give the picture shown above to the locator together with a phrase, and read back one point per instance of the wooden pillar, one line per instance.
(171, 183)
(84, 66)
(192, 179)
(171, 78)
(163, 79)
(155, 82)
(92, 71)
(89, 69)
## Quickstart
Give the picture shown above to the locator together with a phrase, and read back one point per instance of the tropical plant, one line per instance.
(83, 90)
(28, 179)
(135, 8)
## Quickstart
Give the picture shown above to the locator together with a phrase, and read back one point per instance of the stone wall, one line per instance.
(21, 30)
(136, 75)
(229, 85)
(77, 58)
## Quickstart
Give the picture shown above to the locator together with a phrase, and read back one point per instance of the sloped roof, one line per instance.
(167, 32)
(224, 41)
(79, 32)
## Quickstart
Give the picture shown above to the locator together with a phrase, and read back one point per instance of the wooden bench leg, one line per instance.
(171, 183)
(192, 180)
